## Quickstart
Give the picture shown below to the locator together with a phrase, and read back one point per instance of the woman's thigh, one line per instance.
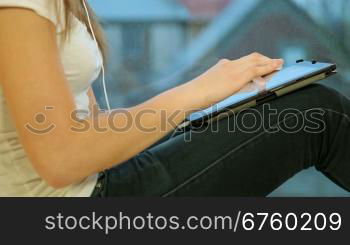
(248, 154)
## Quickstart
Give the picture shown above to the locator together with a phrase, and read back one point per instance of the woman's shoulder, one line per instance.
(52, 10)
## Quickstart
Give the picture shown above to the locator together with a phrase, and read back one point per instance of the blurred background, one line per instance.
(158, 44)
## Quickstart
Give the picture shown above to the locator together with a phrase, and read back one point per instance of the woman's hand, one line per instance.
(228, 77)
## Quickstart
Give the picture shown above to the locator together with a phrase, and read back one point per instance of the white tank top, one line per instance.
(82, 62)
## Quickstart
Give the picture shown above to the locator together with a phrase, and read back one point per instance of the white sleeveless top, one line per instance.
(82, 62)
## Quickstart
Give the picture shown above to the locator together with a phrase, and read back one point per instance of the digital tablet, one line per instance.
(276, 84)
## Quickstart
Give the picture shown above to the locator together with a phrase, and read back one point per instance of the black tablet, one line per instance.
(279, 83)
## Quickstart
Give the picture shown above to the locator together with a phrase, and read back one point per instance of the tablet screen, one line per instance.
(275, 80)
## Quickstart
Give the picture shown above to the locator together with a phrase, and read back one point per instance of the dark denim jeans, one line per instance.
(248, 154)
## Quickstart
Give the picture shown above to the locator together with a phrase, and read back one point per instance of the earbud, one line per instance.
(103, 68)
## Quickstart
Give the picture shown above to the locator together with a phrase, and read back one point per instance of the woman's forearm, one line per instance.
(119, 135)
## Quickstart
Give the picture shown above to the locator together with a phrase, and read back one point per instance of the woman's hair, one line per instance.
(76, 8)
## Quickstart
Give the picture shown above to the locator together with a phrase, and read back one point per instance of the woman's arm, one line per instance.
(33, 80)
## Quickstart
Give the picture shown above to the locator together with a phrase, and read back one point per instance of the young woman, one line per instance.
(48, 60)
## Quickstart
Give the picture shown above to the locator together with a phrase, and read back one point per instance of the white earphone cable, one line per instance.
(103, 68)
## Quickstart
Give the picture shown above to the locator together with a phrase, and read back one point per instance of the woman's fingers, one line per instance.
(252, 66)
(257, 70)
(255, 57)
(259, 60)
(259, 63)
(254, 70)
